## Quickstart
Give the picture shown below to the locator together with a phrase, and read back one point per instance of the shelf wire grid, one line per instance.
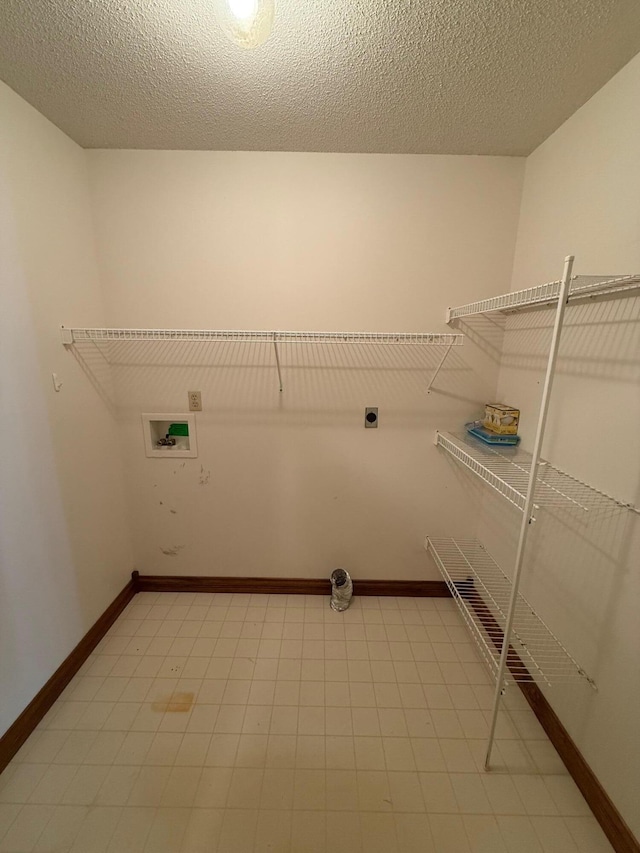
(482, 592)
(507, 470)
(582, 287)
(77, 335)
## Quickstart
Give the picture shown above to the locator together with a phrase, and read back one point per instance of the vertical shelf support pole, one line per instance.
(275, 349)
(528, 506)
(437, 370)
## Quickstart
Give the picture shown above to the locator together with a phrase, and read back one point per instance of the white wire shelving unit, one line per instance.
(482, 592)
(508, 469)
(511, 636)
(581, 287)
(98, 337)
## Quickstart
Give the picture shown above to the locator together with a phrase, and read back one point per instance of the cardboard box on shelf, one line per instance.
(501, 419)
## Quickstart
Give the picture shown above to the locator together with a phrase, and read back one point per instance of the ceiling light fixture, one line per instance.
(247, 23)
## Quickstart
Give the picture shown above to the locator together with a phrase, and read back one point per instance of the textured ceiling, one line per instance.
(433, 76)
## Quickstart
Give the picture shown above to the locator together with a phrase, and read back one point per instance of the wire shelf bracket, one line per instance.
(438, 368)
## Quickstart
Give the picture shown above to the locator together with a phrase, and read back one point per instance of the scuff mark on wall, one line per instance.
(205, 476)
(173, 511)
(172, 552)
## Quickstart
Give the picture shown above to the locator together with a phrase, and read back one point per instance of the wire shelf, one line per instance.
(582, 287)
(482, 592)
(507, 470)
(77, 335)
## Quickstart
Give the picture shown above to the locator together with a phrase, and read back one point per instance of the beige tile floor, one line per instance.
(255, 723)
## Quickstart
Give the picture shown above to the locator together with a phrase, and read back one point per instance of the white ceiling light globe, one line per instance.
(243, 10)
(247, 23)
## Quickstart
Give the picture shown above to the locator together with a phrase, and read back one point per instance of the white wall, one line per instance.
(582, 196)
(292, 484)
(64, 544)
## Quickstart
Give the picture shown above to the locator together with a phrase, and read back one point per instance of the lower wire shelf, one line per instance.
(482, 592)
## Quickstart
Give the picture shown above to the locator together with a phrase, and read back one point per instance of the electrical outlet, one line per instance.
(195, 401)
(371, 417)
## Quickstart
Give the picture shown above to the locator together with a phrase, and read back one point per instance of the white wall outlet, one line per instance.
(195, 401)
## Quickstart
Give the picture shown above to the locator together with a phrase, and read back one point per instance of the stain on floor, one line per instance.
(175, 703)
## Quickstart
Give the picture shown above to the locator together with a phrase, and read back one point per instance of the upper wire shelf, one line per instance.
(482, 592)
(447, 339)
(507, 469)
(582, 287)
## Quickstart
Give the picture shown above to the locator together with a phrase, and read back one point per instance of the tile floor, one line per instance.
(255, 723)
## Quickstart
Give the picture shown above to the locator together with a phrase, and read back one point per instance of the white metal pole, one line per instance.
(528, 505)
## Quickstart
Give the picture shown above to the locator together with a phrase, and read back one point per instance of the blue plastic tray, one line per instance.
(476, 429)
